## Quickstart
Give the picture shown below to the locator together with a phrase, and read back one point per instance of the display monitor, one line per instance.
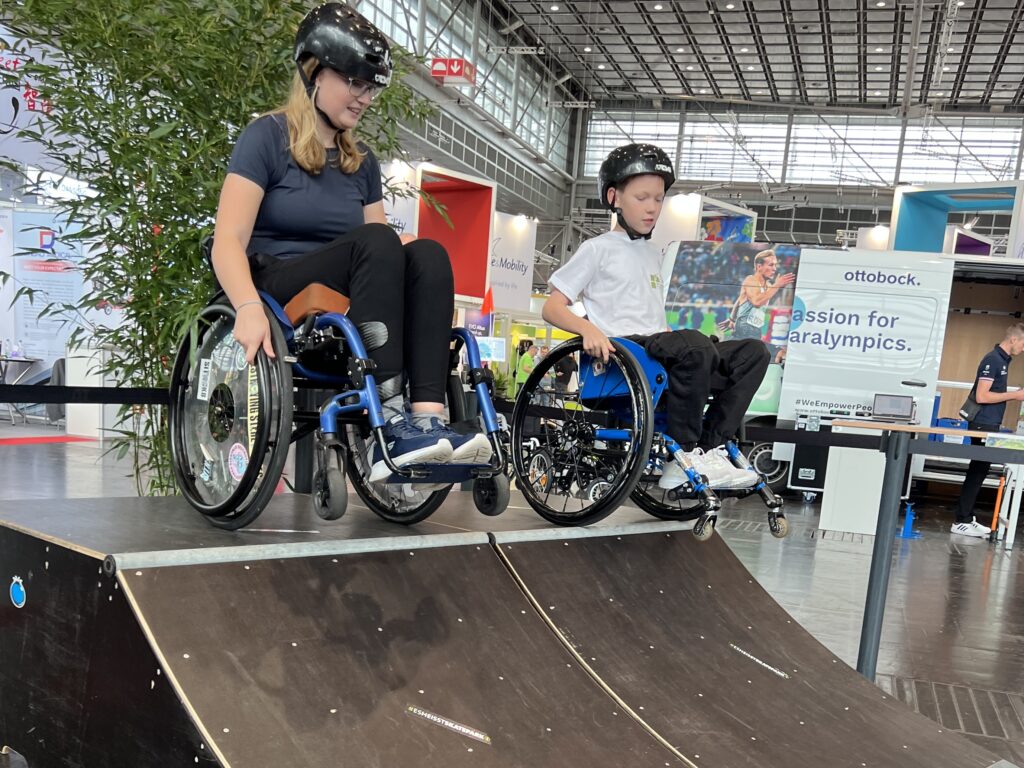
(492, 348)
(895, 407)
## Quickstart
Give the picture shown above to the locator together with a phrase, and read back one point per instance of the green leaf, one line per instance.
(150, 99)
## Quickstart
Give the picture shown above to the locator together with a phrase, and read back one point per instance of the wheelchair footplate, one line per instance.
(447, 474)
(778, 526)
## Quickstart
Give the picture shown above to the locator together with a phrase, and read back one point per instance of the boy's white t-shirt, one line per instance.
(619, 282)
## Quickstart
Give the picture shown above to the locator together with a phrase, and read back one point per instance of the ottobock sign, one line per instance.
(453, 71)
(864, 323)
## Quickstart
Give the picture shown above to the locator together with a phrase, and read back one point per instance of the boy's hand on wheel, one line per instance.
(596, 344)
(252, 330)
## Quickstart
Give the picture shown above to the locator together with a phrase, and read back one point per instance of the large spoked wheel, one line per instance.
(230, 423)
(655, 500)
(404, 503)
(579, 450)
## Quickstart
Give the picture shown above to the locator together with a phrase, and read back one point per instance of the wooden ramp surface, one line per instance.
(696, 649)
(430, 657)
(465, 641)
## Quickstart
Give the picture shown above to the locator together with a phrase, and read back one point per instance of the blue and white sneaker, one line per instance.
(407, 445)
(473, 448)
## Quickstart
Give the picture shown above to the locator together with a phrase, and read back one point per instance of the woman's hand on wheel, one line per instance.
(596, 344)
(252, 330)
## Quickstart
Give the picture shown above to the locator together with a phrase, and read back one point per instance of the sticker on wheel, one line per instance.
(238, 461)
(224, 354)
(203, 385)
(252, 405)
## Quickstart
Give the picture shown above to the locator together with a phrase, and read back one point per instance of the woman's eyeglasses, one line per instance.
(359, 88)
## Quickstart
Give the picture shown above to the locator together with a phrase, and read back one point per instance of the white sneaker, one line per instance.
(672, 476)
(719, 473)
(973, 528)
(983, 530)
(739, 478)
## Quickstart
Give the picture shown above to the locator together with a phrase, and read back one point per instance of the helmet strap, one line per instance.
(633, 234)
(310, 82)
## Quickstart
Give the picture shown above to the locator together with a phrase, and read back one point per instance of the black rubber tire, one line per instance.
(270, 440)
(626, 477)
(491, 495)
(655, 505)
(330, 491)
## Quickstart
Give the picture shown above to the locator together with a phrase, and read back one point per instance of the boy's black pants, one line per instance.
(698, 368)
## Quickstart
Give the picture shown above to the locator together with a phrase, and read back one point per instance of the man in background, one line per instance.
(526, 364)
(991, 395)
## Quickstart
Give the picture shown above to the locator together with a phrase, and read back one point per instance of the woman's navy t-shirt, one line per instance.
(300, 212)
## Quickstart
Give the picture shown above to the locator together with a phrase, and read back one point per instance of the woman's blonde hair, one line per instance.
(303, 137)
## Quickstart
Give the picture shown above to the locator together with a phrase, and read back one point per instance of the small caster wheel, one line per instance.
(596, 490)
(809, 497)
(779, 526)
(539, 470)
(330, 493)
(704, 529)
(490, 494)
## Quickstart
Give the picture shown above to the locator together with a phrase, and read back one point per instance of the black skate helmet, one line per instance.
(345, 41)
(633, 160)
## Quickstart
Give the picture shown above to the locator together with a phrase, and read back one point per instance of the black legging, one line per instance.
(409, 288)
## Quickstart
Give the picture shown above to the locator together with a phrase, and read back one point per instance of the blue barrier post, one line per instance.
(908, 531)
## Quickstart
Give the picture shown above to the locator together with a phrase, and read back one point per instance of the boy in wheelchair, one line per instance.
(617, 276)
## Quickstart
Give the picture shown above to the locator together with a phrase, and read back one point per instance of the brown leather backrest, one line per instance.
(315, 299)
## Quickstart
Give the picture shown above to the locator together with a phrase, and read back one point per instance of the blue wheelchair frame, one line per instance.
(614, 393)
(358, 393)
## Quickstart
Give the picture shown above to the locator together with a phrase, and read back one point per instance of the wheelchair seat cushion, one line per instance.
(315, 299)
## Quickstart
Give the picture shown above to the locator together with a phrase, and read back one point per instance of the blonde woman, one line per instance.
(302, 202)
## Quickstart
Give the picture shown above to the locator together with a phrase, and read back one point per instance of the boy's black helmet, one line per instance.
(633, 160)
(346, 42)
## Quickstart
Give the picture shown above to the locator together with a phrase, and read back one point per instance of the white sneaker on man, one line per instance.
(973, 528)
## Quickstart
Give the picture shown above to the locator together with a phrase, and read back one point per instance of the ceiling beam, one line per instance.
(912, 50)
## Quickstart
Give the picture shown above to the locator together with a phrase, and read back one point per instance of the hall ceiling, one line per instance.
(964, 55)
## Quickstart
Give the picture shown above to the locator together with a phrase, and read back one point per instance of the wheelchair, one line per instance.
(231, 423)
(580, 451)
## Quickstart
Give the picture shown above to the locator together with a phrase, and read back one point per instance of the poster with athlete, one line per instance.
(735, 291)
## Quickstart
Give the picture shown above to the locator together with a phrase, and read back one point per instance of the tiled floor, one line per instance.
(953, 640)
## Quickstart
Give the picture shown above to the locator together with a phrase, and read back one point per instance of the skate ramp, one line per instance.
(146, 638)
(429, 657)
(694, 648)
